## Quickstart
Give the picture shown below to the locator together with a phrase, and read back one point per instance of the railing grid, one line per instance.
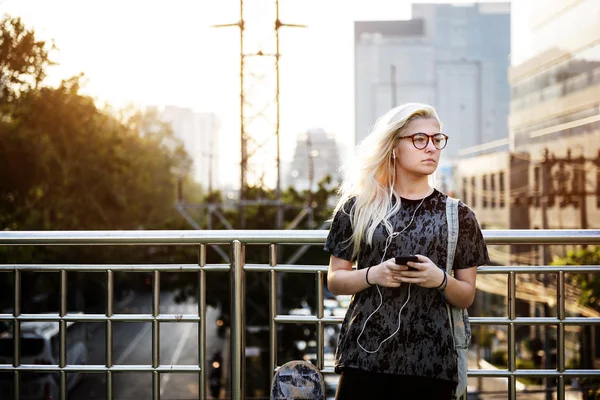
(237, 240)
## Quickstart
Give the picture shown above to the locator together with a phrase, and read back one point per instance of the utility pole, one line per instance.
(545, 183)
(581, 186)
(259, 104)
(546, 166)
(259, 120)
(576, 195)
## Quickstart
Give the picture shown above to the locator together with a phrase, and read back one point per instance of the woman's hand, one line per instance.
(386, 273)
(427, 274)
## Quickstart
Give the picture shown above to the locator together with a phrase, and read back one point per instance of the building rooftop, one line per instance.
(413, 27)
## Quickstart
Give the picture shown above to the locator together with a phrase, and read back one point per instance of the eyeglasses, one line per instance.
(421, 140)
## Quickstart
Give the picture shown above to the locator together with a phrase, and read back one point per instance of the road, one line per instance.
(133, 346)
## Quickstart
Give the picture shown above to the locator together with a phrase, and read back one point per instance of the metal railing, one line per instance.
(238, 268)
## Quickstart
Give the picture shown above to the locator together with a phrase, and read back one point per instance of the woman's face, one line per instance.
(409, 159)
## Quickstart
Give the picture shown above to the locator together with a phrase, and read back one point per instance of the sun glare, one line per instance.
(168, 53)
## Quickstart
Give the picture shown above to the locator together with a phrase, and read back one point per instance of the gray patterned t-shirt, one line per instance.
(423, 346)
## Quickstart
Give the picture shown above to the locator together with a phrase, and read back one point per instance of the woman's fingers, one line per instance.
(388, 274)
(423, 259)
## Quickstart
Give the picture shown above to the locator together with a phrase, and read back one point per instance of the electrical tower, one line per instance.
(259, 102)
(259, 123)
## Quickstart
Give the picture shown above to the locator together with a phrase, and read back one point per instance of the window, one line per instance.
(464, 188)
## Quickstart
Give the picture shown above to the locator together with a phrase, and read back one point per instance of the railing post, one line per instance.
(202, 325)
(16, 336)
(273, 310)
(238, 318)
(320, 313)
(155, 334)
(560, 342)
(512, 314)
(62, 356)
(109, 345)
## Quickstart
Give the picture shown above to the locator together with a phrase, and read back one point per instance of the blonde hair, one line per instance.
(370, 176)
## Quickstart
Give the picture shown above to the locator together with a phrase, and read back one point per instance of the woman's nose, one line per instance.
(430, 146)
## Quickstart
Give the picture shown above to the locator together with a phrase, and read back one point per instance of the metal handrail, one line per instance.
(237, 239)
(316, 237)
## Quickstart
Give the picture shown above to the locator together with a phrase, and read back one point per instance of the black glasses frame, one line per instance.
(429, 137)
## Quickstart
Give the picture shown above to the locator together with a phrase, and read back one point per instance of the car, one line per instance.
(39, 344)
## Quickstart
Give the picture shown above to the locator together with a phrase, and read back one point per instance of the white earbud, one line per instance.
(393, 154)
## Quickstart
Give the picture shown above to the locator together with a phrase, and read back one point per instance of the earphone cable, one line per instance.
(388, 242)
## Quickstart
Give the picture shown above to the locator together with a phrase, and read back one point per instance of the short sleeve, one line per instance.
(471, 250)
(339, 240)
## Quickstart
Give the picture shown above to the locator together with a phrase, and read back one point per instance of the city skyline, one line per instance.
(172, 56)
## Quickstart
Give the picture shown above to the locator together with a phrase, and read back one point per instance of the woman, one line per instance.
(396, 339)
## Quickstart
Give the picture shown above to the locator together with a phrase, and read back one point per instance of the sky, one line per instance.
(168, 53)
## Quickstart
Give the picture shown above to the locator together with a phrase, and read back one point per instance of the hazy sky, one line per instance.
(166, 53)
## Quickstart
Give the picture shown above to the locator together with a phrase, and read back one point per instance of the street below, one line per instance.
(133, 346)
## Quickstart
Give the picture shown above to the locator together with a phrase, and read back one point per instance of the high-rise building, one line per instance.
(549, 178)
(454, 57)
(199, 133)
(555, 107)
(316, 156)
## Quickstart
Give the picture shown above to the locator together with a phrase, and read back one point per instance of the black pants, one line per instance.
(363, 385)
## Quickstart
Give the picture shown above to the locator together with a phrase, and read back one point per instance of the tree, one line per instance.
(67, 165)
(23, 59)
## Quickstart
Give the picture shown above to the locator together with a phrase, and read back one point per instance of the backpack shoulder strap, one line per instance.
(459, 319)
(452, 218)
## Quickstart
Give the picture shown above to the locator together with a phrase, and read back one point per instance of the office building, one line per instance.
(199, 133)
(454, 57)
(316, 156)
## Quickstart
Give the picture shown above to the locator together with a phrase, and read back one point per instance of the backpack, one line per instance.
(459, 318)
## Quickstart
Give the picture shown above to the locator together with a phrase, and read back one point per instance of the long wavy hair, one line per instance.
(370, 174)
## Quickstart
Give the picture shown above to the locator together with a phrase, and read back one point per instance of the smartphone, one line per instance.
(402, 260)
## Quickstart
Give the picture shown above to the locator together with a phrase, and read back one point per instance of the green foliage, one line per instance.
(67, 165)
(500, 358)
(487, 337)
(528, 364)
(589, 284)
(23, 59)
(589, 296)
